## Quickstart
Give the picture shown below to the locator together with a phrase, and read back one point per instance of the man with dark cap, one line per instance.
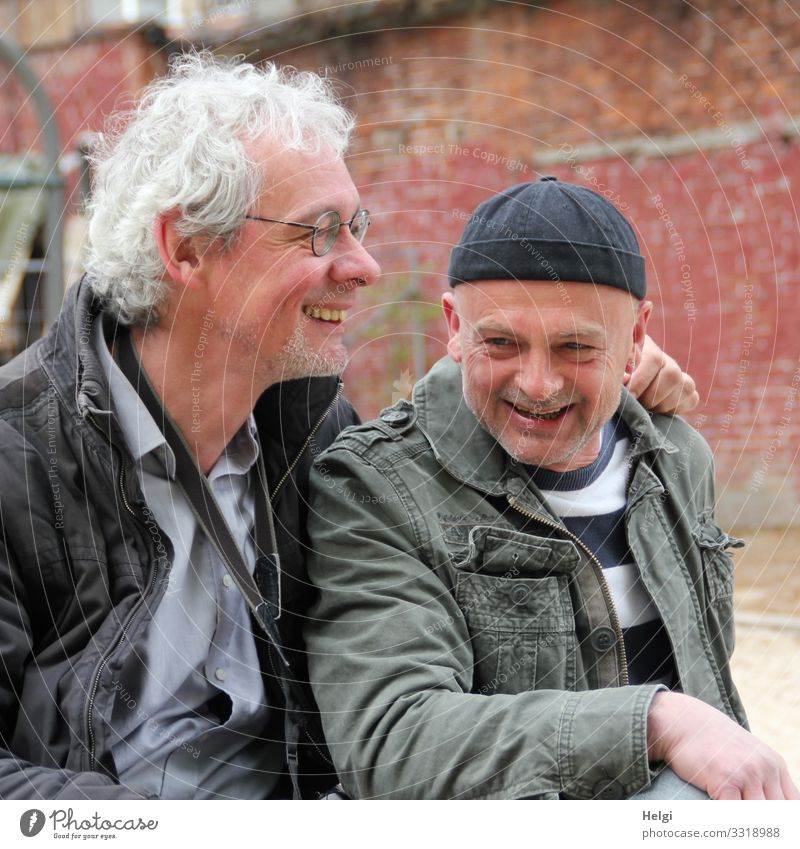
(524, 592)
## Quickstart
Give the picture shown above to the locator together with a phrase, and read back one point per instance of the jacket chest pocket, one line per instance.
(514, 594)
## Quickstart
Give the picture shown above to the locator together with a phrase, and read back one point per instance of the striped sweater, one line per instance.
(591, 503)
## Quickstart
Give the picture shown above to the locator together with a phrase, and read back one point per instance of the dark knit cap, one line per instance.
(549, 231)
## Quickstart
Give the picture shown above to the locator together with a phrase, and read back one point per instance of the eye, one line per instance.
(577, 346)
(497, 342)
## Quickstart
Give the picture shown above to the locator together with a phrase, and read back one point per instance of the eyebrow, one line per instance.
(310, 216)
(590, 331)
(493, 328)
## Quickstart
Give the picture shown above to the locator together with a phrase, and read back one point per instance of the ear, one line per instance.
(177, 252)
(453, 325)
(643, 313)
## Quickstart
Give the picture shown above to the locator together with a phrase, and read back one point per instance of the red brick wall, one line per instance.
(84, 80)
(505, 95)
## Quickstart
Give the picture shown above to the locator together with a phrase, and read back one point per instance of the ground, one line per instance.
(767, 657)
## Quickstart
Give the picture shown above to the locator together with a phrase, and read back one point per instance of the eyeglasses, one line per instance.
(327, 228)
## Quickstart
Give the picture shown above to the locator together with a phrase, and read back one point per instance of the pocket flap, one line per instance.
(518, 604)
(500, 551)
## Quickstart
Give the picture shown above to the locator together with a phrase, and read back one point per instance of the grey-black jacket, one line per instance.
(78, 555)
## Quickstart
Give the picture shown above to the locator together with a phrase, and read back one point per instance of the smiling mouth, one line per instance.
(325, 314)
(552, 415)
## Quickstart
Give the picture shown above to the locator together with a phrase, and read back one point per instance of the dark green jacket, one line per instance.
(454, 654)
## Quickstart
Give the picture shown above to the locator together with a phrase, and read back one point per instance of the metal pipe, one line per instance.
(52, 182)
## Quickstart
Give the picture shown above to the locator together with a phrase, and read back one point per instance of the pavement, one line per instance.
(766, 660)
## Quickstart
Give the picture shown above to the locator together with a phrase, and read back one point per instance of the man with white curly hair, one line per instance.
(152, 575)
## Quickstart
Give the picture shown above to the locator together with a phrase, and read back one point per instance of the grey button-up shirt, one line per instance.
(190, 701)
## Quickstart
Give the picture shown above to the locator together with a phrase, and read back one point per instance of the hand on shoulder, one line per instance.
(660, 384)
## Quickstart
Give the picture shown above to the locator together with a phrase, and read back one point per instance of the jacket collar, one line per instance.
(472, 455)
(69, 355)
(459, 443)
(287, 412)
(646, 438)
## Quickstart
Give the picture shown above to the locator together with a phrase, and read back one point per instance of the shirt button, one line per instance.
(219, 674)
(603, 638)
(227, 580)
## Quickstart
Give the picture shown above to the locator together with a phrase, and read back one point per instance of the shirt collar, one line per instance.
(240, 453)
(143, 437)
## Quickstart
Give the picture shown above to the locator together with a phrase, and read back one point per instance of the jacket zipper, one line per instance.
(116, 643)
(612, 609)
(122, 491)
(302, 451)
(314, 744)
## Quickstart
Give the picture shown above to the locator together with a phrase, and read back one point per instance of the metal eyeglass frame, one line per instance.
(317, 228)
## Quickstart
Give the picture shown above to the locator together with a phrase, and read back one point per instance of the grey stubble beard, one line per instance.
(296, 358)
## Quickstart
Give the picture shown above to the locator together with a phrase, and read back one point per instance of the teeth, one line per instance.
(547, 416)
(325, 314)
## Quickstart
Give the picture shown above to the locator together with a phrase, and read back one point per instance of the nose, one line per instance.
(538, 377)
(351, 261)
